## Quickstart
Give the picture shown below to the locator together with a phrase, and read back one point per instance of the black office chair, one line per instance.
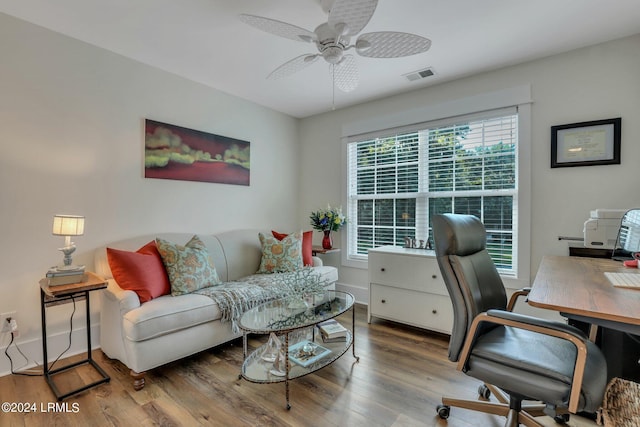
(526, 357)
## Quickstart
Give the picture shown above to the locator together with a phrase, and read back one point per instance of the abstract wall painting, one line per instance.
(175, 152)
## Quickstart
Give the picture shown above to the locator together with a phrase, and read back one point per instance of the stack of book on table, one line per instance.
(64, 276)
(305, 353)
(332, 331)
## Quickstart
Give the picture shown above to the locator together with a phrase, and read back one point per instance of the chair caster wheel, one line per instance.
(561, 419)
(443, 411)
(484, 392)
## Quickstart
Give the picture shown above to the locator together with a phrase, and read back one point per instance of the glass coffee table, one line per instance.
(293, 321)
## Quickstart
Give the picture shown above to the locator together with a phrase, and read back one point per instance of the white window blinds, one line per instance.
(398, 179)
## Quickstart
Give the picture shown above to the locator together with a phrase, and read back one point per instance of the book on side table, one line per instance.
(56, 276)
(332, 331)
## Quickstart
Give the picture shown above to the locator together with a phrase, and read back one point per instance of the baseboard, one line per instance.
(359, 293)
(56, 344)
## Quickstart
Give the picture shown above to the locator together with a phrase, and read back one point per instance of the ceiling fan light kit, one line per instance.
(346, 18)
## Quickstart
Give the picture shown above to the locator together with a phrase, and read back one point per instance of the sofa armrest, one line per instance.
(115, 303)
(317, 262)
(125, 300)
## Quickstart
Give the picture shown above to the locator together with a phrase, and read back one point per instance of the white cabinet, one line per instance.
(405, 286)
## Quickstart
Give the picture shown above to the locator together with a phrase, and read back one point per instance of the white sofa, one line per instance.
(168, 328)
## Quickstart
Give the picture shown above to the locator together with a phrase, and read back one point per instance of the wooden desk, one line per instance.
(590, 252)
(577, 288)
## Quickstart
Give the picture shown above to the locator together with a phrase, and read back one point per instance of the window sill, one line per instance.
(361, 264)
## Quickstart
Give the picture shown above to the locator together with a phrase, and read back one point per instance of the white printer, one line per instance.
(601, 230)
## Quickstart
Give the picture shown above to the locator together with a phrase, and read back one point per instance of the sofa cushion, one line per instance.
(281, 256)
(168, 314)
(189, 267)
(307, 246)
(141, 271)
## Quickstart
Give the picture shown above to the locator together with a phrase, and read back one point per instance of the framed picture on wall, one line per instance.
(175, 152)
(586, 143)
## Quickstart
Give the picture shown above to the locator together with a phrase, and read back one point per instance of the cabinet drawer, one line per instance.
(425, 310)
(418, 273)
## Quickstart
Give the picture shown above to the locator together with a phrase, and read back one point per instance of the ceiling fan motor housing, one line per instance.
(332, 54)
(330, 43)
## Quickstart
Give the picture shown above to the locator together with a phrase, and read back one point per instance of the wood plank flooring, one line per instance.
(401, 376)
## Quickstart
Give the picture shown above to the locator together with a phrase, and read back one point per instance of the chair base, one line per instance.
(514, 412)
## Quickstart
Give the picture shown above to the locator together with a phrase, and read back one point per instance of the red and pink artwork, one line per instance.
(174, 152)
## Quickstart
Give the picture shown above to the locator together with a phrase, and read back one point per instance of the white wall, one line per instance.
(71, 141)
(597, 82)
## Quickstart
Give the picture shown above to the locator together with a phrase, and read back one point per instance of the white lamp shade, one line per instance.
(68, 225)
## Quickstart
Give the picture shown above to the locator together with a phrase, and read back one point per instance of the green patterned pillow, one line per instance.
(281, 256)
(189, 267)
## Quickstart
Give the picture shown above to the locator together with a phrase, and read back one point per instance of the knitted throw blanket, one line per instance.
(236, 297)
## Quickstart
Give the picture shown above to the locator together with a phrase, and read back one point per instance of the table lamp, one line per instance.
(67, 226)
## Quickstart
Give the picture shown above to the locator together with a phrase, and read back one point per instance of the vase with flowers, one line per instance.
(328, 220)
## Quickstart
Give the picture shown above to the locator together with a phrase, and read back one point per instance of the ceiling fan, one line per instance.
(332, 39)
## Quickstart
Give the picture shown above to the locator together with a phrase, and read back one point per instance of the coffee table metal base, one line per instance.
(254, 369)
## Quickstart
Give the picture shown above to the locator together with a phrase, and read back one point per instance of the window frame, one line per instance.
(372, 156)
(518, 97)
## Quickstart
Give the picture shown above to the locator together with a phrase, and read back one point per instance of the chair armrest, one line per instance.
(317, 262)
(536, 321)
(517, 294)
(541, 326)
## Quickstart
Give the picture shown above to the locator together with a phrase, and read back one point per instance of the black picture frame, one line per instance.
(586, 143)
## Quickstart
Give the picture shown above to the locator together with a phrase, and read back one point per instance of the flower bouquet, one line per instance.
(328, 220)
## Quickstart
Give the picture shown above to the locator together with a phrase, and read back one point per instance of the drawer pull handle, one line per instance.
(434, 276)
(383, 301)
(382, 269)
(434, 311)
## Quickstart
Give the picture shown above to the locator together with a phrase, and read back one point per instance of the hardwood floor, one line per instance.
(399, 380)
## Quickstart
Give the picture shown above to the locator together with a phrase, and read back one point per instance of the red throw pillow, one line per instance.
(141, 271)
(307, 242)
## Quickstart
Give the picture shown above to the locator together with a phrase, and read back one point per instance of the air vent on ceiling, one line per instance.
(420, 74)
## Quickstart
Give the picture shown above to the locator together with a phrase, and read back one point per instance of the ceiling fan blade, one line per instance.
(345, 74)
(278, 28)
(390, 44)
(292, 66)
(349, 17)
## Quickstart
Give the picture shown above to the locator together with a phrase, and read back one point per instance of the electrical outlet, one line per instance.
(5, 321)
(14, 327)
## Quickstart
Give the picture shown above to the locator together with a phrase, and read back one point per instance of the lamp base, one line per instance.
(67, 250)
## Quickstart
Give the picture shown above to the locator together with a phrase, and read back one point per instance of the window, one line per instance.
(398, 179)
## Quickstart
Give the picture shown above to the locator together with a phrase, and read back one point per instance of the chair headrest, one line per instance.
(456, 234)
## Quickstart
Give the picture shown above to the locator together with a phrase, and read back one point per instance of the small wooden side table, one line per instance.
(54, 295)
(315, 250)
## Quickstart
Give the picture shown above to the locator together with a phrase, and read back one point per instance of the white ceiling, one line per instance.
(204, 41)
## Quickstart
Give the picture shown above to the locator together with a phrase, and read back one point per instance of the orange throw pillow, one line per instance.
(141, 271)
(307, 242)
